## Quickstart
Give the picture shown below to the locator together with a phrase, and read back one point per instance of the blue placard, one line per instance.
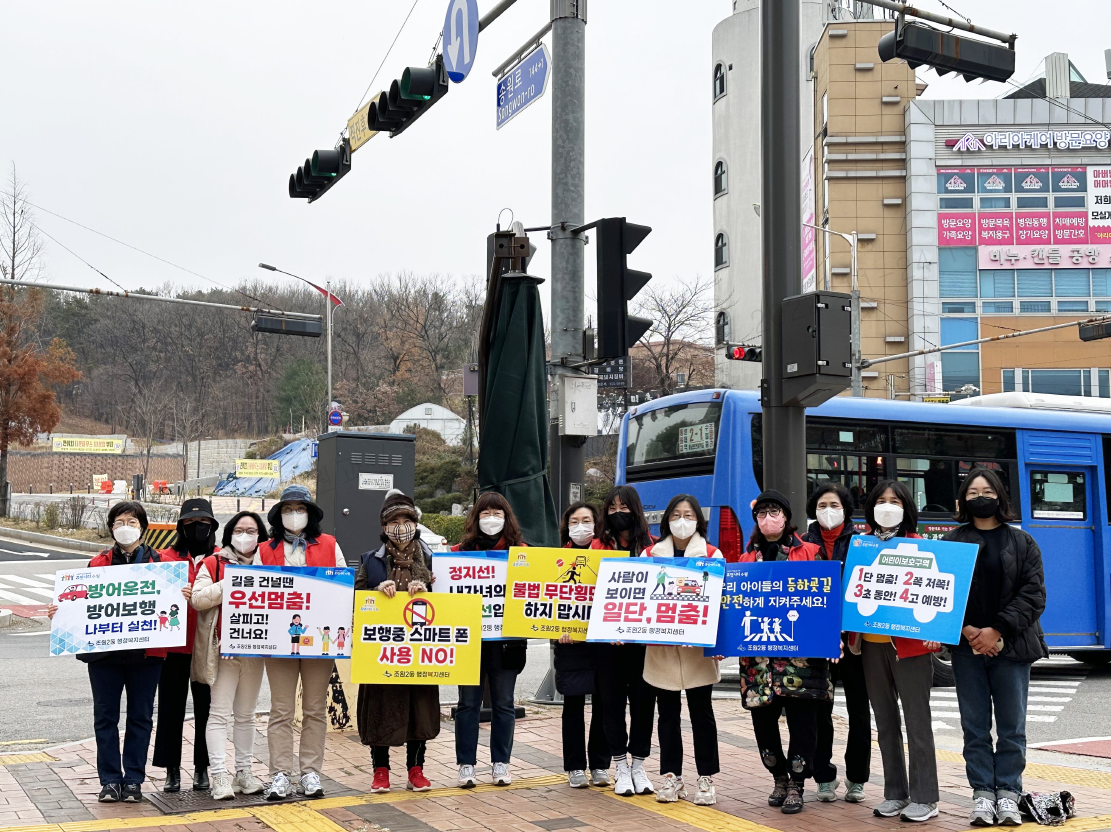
(913, 588)
(460, 38)
(780, 608)
(523, 85)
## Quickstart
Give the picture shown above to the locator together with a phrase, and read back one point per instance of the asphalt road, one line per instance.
(16, 551)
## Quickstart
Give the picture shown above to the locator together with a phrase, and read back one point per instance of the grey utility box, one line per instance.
(353, 473)
(816, 347)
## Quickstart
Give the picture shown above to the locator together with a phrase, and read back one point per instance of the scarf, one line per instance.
(408, 564)
(829, 538)
(295, 540)
(882, 535)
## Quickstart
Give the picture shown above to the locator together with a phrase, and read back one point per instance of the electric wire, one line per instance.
(78, 256)
(395, 37)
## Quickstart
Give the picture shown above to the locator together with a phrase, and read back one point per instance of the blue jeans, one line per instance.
(502, 719)
(108, 680)
(986, 685)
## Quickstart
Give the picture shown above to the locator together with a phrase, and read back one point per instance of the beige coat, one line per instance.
(206, 598)
(679, 668)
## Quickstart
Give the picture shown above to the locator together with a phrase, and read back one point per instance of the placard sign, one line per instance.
(475, 573)
(298, 612)
(907, 587)
(432, 638)
(658, 601)
(780, 608)
(106, 608)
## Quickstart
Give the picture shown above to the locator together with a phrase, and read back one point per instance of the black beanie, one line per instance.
(772, 496)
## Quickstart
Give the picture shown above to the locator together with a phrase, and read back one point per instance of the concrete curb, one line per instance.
(53, 540)
(5, 618)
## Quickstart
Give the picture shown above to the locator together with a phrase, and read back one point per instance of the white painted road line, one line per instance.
(28, 581)
(16, 598)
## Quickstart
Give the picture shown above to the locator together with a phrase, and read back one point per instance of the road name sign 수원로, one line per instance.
(523, 85)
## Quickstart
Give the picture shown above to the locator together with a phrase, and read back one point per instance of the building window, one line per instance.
(721, 252)
(1071, 283)
(721, 178)
(960, 370)
(1082, 382)
(1008, 381)
(958, 308)
(1035, 307)
(719, 81)
(681, 379)
(955, 203)
(999, 308)
(1101, 283)
(1035, 283)
(995, 202)
(1072, 306)
(997, 284)
(1103, 306)
(956, 330)
(957, 271)
(722, 330)
(1068, 202)
(1033, 202)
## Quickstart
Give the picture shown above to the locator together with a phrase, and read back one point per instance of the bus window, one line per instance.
(1058, 496)
(966, 443)
(934, 482)
(676, 441)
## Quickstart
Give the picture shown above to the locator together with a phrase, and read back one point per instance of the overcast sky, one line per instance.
(174, 127)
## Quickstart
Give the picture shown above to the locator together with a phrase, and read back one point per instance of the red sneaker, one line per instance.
(417, 781)
(381, 781)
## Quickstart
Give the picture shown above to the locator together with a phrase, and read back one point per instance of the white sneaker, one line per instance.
(280, 788)
(246, 783)
(500, 775)
(672, 790)
(623, 786)
(641, 783)
(600, 777)
(983, 812)
(466, 777)
(310, 785)
(706, 795)
(221, 786)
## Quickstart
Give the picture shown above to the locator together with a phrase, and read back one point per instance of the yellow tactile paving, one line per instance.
(101, 824)
(31, 757)
(295, 817)
(1054, 774)
(403, 794)
(700, 817)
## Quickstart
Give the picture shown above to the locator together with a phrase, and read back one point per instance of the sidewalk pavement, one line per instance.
(55, 791)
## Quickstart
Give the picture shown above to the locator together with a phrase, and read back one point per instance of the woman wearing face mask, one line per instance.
(670, 670)
(234, 680)
(398, 715)
(900, 670)
(134, 671)
(195, 541)
(619, 668)
(832, 505)
(1002, 637)
(491, 526)
(296, 540)
(800, 688)
(574, 669)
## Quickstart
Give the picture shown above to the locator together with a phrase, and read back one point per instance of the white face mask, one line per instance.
(245, 543)
(581, 533)
(682, 528)
(126, 535)
(295, 521)
(888, 515)
(830, 518)
(491, 526)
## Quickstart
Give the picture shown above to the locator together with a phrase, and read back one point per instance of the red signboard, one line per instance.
(956, 229)
(995, 228)
(1032, 228)
(1070, 226)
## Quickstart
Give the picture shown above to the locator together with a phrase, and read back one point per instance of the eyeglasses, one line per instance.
(769, 512)
(131, 521)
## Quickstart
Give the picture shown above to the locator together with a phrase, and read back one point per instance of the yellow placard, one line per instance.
(263, 468)
(936, 399)
(87, 444)
(549, 592)
(434, 638)
(358, 130)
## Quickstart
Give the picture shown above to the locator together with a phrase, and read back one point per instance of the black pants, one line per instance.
(700, 707)
(173, 693)
(414, 754)
(802, 724)
(619, 675)
(108, 680)
(849, 673)
(576, 747)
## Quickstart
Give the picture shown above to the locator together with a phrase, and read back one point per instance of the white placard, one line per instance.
(375, 482)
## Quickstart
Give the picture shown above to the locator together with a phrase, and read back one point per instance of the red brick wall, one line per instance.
(30, 469)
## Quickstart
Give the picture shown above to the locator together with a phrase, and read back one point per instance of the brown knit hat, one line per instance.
(398, 506)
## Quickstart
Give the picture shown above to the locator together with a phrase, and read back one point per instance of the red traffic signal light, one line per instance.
(742, 353)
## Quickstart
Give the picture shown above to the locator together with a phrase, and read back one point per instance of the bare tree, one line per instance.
(680, 335)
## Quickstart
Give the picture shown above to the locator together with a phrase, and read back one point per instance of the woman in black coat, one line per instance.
(1001, 639)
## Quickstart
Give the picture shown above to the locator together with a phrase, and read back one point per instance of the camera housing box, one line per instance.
(816, 347)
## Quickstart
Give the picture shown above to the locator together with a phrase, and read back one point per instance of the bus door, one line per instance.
(1061, 518)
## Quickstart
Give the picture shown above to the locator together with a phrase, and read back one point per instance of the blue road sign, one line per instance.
(315, 450)
(460, 38)
(523, 84)
(335, 417)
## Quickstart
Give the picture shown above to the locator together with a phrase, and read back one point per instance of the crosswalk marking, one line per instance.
(19, 579)
(16, 598)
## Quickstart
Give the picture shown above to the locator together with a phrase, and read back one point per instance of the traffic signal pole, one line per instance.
(784, 428)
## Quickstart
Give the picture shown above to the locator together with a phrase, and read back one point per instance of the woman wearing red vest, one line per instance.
(235, 680)
(296, 540)
(196, 540)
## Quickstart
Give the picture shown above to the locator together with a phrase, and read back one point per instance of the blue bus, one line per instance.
(1056, 466)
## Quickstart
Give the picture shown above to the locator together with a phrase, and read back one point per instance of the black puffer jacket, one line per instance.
(1022, 598)
(840, 545)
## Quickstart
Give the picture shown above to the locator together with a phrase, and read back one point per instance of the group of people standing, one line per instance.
(628, 683)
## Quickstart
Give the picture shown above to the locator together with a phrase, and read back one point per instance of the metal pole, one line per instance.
(952, 22)
(784, 428)
(329, 308)
(854, 320)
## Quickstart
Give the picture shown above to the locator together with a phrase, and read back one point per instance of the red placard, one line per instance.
(956, 229)
(1032, 228)
(995, 228)
(1070, 226)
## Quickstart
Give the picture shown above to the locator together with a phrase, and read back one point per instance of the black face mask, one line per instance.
(983, 507)
(197, 536)
(620, 521)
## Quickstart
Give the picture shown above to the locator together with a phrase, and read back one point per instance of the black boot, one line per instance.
(779, 793)
(792, 805)
(173, 779)
(200, 780)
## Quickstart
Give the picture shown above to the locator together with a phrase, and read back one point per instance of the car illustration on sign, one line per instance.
(903, 577)
(74, 592)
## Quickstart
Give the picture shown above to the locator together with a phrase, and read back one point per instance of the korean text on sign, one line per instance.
(432, 638)
(108, 608)
(475, 573)
(658, 601)
(911, 588)
(780, 608)
(287, 611)
(551, 591)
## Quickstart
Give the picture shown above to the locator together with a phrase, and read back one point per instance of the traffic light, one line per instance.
(274, 325)
(1096, 331)
(742, 353)
(408, 98)
(326, 167)
(946, 52)
(617, 285)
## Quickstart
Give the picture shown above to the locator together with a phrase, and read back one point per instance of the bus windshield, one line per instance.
(682, 438)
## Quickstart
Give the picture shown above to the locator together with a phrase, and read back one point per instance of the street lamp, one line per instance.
(330, 304)
(854, 293)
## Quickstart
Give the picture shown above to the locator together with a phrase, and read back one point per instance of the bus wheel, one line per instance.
(1096, 658)
(943, 668)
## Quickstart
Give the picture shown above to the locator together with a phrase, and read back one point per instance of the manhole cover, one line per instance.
(65, 703)
(188, 800)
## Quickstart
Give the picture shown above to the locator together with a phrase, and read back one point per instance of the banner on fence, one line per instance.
(106, 608)
(658, 601)
(287, 612)
(475, 573)
(433, 638)
(267, 469)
